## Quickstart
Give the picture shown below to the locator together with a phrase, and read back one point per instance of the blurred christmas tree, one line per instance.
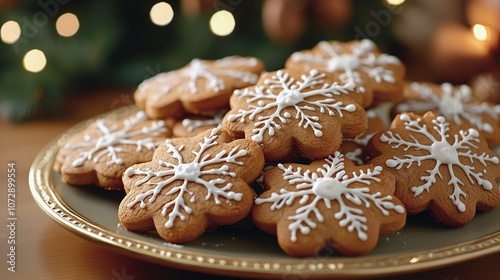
(53, 47)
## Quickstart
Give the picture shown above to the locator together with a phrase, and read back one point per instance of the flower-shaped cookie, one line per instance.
(201, 87)
(330, 202)
(290, 112)
(380, 76)
(191, 184)
(457, 104)
(100, 153)
(439, 167)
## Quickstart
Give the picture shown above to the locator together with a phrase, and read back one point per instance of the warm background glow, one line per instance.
(67, 25)
(161, 14)
(10, 32)
(222, 23)
(34, 61)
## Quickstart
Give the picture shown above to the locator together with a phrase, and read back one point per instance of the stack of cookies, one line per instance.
(305, 151)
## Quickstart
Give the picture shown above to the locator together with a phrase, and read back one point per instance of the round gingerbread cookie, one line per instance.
(457, 103)
(378, 75)
(100, 153)
(289, 112)
(191, 185)
(201, 87)
(328, 203)
(440, 167)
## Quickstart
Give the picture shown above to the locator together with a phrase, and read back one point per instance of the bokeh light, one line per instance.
(480, 32)
(395, 2)
(10, 32)
(222, 23)
(34, 61)
(67, 25)
(161, 14)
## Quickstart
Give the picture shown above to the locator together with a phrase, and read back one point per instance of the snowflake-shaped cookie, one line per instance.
(457, 104)
(440, 167)
(99, 154)
(380, 76)
(329, 201)
(289, 112)
(355, 149)
(201, 87)
(192, 125)
(191, 184)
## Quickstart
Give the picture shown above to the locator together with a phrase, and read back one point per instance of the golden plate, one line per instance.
(91, 213)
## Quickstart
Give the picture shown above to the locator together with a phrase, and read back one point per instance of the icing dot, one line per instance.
(350, 108)
(405, 117)
(391, 163)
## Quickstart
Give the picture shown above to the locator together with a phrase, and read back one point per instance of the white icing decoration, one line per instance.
(191, 124)
(354, 156)
(327, 184)
(189, 172)
(196, 70)
(299, 95)
(443, 154)
(112, 136)
(361, 59)
(454, 104)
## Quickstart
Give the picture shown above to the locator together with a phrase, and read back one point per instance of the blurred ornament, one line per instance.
(196, 7)
(284, 20)
(331, 14)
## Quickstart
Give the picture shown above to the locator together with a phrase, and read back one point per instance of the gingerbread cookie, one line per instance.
(190, 185)
(192, 125)
(378, 75)
(330, 202)
(355, 149)
(289, 112)
(440, 167)
(100, 153)
(457, 104)
(201, 87)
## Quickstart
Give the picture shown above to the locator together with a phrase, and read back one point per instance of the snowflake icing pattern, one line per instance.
(294, 94)
(199, 69)
(192, 124)
(330, 183)
(189, 172)
(362, 59)
(443, 153)
(113, 137)
(453, 103)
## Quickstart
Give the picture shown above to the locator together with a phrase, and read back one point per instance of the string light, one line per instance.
(161, 14)
(480, 32)
(222, 23)
(34, 61)
(10, 32)
(67, 25)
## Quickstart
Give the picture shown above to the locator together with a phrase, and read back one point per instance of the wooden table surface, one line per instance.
(47, 251)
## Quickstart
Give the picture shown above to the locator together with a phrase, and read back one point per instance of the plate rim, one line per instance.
(44, 193)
